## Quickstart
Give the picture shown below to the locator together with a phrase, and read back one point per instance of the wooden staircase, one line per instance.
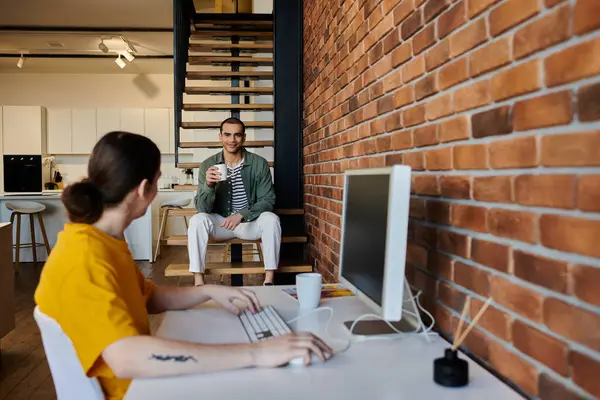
(240, 43)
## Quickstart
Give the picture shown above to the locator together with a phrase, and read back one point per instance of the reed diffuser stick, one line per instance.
(461, 322)
(472, 324)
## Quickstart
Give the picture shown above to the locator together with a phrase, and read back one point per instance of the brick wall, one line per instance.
(495, 104)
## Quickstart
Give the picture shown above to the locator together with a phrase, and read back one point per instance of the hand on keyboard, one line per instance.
(279, 350)
(225, 295)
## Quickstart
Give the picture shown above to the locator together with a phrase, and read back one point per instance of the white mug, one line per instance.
(308, 286)
(222, 170)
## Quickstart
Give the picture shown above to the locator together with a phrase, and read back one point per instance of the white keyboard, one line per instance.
(264, 324)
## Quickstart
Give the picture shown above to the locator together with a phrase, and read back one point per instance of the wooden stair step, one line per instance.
(223, 60)
(221, 47)
(221, 107)
(217, 124)
(229, 75)
(245, 24)
(218, 145)
(203, 34)
(197, 165)
(182, 240)
(190, 212)
(228, 90)
(229, 268)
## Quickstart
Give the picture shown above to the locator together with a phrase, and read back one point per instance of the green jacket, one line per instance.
(258, 183)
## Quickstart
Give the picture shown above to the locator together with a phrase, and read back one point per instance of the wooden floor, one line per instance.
(24, 372)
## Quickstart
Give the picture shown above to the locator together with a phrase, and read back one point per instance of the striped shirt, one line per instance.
(239, 200)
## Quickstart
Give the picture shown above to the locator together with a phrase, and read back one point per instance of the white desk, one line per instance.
(400, 369)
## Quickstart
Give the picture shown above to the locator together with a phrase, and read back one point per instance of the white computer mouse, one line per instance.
(313, 360)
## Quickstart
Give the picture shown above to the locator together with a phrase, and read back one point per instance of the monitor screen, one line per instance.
(364, 235)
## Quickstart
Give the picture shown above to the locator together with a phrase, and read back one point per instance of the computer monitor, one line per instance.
(374, 235)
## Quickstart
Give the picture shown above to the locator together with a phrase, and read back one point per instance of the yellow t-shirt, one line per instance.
(95, 291)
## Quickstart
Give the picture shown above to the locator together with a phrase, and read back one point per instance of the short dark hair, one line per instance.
(233, 120)
(119, 162)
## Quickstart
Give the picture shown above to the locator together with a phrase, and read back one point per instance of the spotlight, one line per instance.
(128, 55)
(103, 48)
(120, 62)
(21, 61)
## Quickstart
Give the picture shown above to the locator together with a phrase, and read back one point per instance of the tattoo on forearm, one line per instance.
(172, 358)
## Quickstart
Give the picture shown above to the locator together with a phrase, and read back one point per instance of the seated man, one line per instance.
(239, 207)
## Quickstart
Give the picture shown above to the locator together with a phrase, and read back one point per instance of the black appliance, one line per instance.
(22, 173)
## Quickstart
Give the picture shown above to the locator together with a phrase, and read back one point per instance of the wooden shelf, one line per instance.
(216, 124)
(242, 24)
(203, 34)
(218, 145)
(221, 47)
(190, 212)
(223, 60)
(228, 90)
(228, 268)
(229, 75)
(182, 240)
(221, 107)
(197, 165)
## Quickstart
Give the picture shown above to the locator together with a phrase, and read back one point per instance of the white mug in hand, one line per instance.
(308, 286)
(222, 170)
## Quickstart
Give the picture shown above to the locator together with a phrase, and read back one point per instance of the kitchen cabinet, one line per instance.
(84, 130)
(156, 121)
(132, 120)
(23, 129)
(59, 128)
(107, 120)
(187, 117)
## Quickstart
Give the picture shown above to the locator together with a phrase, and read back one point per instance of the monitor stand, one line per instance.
(408, 323)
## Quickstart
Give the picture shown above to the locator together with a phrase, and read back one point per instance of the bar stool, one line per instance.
(32, 209)
(169, 206)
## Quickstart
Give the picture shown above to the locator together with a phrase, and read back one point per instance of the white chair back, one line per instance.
(70, 381)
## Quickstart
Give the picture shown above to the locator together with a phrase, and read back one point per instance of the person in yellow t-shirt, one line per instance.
(93, 288)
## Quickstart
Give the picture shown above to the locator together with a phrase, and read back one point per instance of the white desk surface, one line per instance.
(377, 369)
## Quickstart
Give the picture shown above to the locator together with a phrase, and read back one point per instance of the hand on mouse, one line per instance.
(280, 350)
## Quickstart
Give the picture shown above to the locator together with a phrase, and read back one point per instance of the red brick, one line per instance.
(425, 135)
(497, 121)
(543, 33)
(457, 187)
(450, 296)
(468, 38)
(389, 5)
(476, 7)
(454, 243)
(517, 298)
(472, 278)
(413, 69)
(438, 159)
(577, 62)
(438, 55)
(493, 320)
(404, 96)
(438, 212)
(541, 347)
(426, 185)
(470, 156)
(490, 57)
(490, 254)
(451, 19)
(453, 73)
(511, 13)
(570, 234)
(439, 107)
(414, 115)
(469, 217)
(475, 95)
(426, 235)
(572, 322)
(403, 11)
(416, 255)
(412, 24)
(443, 318)
(415, 160)
(393, 121)
(547, 110)
(426, 87)
(549, 388)
(571, 149)
(385, 104)
(493, 188)
(434, 7)
(478, 343)
(556, 191)
(516, 81)
(514, 153)
(455, 129)
(417, 208)
(375, 53)
(392, 81)
(552, 3)
(551, 274)
(424, 39)
(588, 193)
(513, 224)
(440, 265)
(588, 102)
(393, 159)
(391, 41)
(586, 16)
(401, 54)
(514, 368)
(585, 372)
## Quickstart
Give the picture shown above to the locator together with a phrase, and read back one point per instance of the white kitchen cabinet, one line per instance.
(24, 130)
(84, 130)
(107, 120)
(156, 121)
(59, 128)
(132, 120)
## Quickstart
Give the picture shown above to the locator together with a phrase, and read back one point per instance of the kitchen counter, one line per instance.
(32, 197)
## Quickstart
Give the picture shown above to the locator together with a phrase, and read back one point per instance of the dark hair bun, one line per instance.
(83, 201)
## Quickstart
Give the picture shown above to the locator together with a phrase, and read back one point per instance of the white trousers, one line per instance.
(203, 227)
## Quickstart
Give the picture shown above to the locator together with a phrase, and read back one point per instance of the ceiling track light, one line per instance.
(21, 61)
(127, 55)
(128, 45)
(119, 61)
(103, 48)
